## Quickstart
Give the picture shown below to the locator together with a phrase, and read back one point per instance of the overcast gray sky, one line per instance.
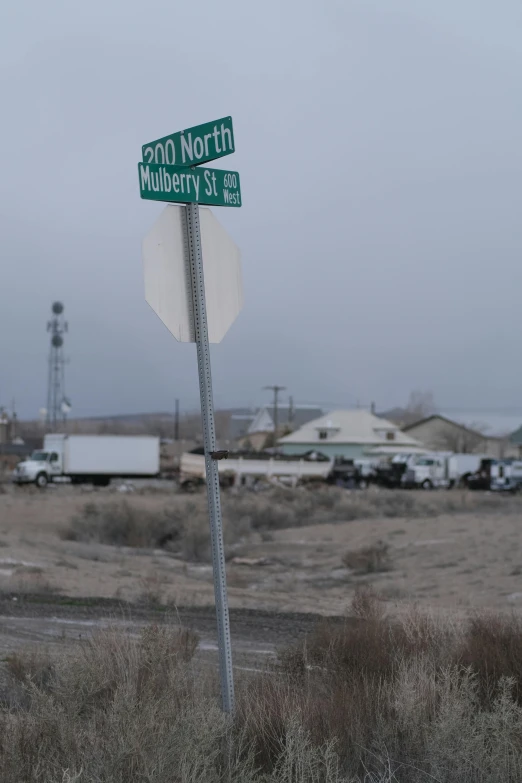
(379, 147)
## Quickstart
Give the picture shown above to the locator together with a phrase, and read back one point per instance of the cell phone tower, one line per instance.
(58, 405)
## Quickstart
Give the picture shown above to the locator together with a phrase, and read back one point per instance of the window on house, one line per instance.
(390, 436)
(323, 434)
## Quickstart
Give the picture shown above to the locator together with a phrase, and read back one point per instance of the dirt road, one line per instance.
(256, 635)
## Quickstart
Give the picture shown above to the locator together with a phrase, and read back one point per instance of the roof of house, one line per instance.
(292, 415)
(495, 424)
(493, 428)
(357, 426)
(485, 424)
(426, 419)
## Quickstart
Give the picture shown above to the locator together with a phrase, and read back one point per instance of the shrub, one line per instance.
(400, 700)
(28, 580)
(122, 524)
(183, 530)
(183, 527)
(369, 559)
(364, 700)
(492, 649)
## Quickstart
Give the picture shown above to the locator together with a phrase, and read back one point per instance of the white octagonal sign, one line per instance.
(167, 274)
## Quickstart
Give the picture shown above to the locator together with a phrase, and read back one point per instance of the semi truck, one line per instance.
(94, 459)
(440, 469)
(497, 475)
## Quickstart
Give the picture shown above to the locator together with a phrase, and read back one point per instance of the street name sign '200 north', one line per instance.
(192, 146)
(214, 187)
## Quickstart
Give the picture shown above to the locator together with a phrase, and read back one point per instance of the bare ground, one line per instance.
(56, 592)
(461, 562)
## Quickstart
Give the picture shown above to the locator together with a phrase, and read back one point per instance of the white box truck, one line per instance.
(94, 459)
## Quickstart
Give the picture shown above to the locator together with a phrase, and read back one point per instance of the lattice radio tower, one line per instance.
(57, 403)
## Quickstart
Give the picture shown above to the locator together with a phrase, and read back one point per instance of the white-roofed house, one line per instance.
(351, 434)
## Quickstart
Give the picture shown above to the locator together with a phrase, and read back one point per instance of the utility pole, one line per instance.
(290, 411)
(13, 432)
(176, 421)
(276, 389)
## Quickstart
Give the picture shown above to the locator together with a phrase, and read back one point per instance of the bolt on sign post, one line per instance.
(192, 272)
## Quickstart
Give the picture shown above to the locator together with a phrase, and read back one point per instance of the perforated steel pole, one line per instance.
(209, 441)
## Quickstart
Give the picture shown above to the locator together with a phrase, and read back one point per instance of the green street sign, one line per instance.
(193, 146)
(184, 186)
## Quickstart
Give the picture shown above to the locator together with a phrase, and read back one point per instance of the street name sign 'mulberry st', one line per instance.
(175, 288)
(213, 187)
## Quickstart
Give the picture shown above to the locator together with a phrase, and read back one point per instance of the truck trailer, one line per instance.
(94, 459)
(237, 467)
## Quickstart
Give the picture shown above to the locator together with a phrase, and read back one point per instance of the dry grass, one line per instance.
(183, 528)
(28, 580)
(410, 701)
(369, 559)
(368, 701)
(284, 508)
(116, 710)
(152, 590)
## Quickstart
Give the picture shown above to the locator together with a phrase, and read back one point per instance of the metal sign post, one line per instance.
(195, 257)
(175, 289)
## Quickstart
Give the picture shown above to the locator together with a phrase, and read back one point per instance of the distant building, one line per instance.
(516, 441)
(352, 434)
(7, 426)
(261, 427)
(238, 424)
(439, 433)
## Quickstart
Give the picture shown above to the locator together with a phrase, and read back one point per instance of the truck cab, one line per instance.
(429, 471)
(40, 468)
(506, 475)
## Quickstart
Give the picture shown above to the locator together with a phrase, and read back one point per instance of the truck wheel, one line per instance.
(427, 484)
(42, 480)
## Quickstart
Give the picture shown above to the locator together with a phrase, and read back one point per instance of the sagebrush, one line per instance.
(183, 527)
(366, 699)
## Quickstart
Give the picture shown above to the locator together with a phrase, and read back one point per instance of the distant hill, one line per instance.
(159, 423)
